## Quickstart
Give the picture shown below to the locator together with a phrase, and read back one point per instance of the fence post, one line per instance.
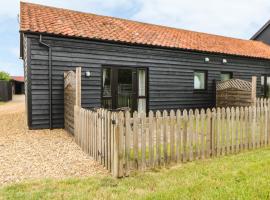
(78, 86)
(212, 133)
(116, 149)
(253, 89)
(118, 170)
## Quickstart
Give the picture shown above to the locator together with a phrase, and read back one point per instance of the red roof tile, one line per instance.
(44, 19)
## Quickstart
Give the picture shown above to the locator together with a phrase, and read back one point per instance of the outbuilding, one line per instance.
(17, 84)
(126, 63)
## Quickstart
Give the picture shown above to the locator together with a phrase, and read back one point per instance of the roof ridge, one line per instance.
(140, 22)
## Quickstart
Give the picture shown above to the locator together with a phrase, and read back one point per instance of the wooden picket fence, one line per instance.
(124, 143)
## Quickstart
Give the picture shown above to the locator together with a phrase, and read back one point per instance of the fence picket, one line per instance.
(135, 140)
(109, 141)
(223, 131)
(143, 141)
(178, 136)
(254, 113)
(164, 133)
(190, 134)
(245, 129)
(172, 136)
(120, 144)
(152, 130)
(233, 130)
(196, 134)
(158, 138)
(266, 125)
(185, 127)
(237, 130)
(258, 127)
(214, 133)
(208, 133)
(127, 142)
(228, 130)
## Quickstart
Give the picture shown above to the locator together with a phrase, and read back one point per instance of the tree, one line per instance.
(4, 76)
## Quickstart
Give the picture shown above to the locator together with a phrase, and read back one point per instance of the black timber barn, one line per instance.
(139, 65)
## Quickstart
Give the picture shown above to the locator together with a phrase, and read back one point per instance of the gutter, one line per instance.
(50, 78)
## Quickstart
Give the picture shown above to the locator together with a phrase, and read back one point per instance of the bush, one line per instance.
(4, 76)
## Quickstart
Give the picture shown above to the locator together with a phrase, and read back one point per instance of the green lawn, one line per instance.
(243, 176)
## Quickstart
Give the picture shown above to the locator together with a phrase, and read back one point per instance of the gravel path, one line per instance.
(26, 155)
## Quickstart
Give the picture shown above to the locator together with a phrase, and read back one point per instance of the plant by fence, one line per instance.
(123, 143)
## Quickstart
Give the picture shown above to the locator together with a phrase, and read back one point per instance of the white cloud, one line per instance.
(237, 18)
(15, 51)
(10, 8)
(14, 69)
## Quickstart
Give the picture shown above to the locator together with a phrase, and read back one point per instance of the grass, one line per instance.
(243, 176)
(1, 103)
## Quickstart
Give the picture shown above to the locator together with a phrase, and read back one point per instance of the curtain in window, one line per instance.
(141, 91)
(199, 80)
(268, 86)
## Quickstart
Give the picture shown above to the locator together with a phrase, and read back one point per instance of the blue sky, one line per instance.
(234, 18)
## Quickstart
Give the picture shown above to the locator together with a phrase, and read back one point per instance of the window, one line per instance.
(265, 86)
(200, 79)
(124, 87)
(106, 88)
(224, 76)
(141, 90)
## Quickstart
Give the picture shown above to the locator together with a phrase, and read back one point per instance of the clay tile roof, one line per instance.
(50, 20)
(18, 78)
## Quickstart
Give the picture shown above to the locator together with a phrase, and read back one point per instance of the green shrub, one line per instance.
(4, 76)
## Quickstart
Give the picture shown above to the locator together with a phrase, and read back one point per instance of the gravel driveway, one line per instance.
(26, 155)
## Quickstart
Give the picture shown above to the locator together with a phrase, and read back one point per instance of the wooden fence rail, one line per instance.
(124, 143)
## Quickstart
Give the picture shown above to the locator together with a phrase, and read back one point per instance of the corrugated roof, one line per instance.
(50, 20)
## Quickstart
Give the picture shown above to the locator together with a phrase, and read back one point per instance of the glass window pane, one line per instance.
(106, 82)
(141, 105)
(199, 80)
(262, 84)
(124, 97)
(268, 86)
(225, 76)
(141, 81)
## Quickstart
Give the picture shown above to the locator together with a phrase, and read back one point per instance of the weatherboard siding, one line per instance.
(170, 74)
(264, 36)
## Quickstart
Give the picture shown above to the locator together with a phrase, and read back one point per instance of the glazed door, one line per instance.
(119, 88)
(125, 94)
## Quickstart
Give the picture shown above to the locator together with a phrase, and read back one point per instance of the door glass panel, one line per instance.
(268, 86)
(141, 82)
(141, 91)
(262, 85)
(106, 85)
(124, 97)
(106, 82)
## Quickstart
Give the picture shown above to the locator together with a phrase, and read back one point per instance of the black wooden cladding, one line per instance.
(5, 91)
(263, 34)
(170, 74)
